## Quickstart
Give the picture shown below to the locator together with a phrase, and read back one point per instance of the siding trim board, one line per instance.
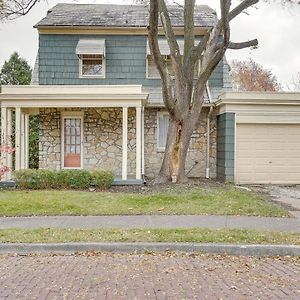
(87, 30)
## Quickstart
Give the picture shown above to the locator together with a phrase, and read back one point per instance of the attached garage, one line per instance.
(268, 153)
(259, 141)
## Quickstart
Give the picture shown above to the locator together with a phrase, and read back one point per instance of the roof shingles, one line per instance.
(108, 15)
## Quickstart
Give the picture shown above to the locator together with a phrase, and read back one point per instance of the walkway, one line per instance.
(213, 222)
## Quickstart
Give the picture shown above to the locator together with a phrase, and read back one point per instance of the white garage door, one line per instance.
(268, 153)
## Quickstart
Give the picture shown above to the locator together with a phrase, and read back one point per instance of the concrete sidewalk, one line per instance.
(140, 221)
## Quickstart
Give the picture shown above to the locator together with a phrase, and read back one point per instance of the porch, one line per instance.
(70, 102)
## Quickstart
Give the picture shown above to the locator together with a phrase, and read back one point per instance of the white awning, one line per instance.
(164, 46)
(91, 46)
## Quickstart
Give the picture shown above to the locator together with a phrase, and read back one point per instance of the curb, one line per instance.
(230, 249)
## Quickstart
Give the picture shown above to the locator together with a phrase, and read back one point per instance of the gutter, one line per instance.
(207, 169)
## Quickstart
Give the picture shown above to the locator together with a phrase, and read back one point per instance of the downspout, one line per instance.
(207, 170)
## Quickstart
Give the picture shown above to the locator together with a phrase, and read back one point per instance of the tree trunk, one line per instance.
(178, 140)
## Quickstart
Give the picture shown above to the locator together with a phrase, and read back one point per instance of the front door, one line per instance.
(72, 142)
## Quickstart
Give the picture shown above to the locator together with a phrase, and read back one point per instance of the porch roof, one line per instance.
(73, 96)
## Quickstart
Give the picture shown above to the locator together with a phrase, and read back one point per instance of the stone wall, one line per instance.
(102, 145)
(196, 161)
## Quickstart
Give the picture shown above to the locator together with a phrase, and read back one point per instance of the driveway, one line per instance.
(286, 196)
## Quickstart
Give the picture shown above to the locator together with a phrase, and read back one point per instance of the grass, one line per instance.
(195, 201)
(197, 235)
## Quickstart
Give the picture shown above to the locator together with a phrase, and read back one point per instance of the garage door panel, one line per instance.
(268, 153)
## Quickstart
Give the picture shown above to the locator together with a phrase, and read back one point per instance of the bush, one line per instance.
(62, 179)
(102, 179)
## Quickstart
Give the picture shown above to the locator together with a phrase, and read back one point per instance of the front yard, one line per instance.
(186, 200)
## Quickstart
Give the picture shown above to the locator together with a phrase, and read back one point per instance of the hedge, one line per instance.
(63, 179)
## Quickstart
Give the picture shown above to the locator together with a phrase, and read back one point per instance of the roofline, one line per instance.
(42, 29)
(259, 98)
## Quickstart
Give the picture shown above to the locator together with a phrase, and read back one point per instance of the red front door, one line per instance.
(72, 142)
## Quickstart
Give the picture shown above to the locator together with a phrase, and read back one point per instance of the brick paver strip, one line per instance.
(140, 221)
(172, 276)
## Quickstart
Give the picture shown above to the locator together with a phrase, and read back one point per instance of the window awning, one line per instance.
(91, 46)
(164, 46)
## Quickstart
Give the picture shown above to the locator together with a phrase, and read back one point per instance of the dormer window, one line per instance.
(91, 53)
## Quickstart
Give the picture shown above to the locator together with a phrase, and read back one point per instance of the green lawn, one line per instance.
(198, 235)
(225, 200)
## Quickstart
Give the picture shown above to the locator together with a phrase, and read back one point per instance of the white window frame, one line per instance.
(158, 77)
(160, 114)
(92, 76)
(70, 115)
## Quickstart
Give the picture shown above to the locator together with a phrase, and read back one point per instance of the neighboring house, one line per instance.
(98, 94)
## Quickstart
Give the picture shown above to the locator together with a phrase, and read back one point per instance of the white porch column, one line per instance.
(138, 143)
(4, 136)
(26, 141)
(124, 143)
(22, 144)
(9, 142)
(143, 141)
(18, 139)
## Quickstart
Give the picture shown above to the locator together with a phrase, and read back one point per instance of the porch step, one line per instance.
(119, 181)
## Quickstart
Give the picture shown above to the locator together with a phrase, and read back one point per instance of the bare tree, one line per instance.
(251, 76)
(297, 82)
(184, 97)
(10, 9)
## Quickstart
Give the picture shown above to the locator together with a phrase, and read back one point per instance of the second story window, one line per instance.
(151, 70)
(92, 65)
(91, 53)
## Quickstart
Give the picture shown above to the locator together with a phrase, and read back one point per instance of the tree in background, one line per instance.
(15, 8)
(251, 76)
(16, 71)
(297, 82)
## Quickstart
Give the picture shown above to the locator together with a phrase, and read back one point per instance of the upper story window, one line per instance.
(92, 65)
(151, 70)
(91, 53)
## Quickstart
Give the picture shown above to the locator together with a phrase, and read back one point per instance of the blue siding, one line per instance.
(225, 146)
(125, 61)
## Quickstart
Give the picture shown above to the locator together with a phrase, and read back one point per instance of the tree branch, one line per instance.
(16, 8)
(241, 7)
(189, 38)
(242, 45)
(157, 57)
(171, 38)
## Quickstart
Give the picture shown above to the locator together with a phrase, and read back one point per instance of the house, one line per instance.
(99, 98)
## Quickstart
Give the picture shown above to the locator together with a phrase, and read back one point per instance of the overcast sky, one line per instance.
(277, 29)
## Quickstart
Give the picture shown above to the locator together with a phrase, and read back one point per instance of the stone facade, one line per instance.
(102, 145)
(196, 160)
